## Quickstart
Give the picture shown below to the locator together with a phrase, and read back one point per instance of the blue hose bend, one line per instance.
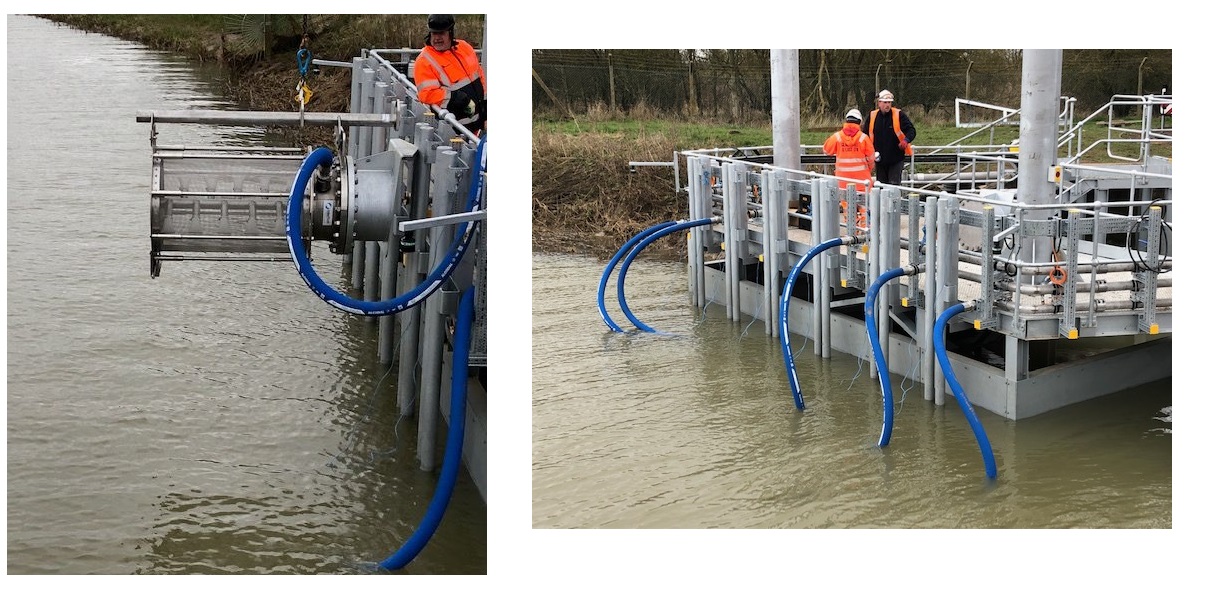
(453, 445)
(870, 321)
(785, 295)
(679, 225)
(613, 263)
(941, 353)
(293, 230)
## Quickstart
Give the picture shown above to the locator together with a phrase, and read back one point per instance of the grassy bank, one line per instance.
(585, 199)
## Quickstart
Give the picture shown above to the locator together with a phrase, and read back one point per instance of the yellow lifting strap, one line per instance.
(303, 93)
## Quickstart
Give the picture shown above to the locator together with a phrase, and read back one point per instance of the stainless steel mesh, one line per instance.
(220, 203)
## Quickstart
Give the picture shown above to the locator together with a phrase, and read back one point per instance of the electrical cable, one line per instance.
(702, 312)
(364, 419)
(758, 310)
(909, 376)
(859, 368)
(1134, 255)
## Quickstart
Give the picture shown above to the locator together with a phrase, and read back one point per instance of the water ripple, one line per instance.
(696, 429)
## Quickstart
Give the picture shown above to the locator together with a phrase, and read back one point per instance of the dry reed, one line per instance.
(586, 199)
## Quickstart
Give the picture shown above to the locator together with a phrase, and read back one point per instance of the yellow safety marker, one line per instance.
(1153, 329)
(1073, 334)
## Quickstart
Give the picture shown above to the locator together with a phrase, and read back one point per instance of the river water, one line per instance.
(219, 419)
(696, 428)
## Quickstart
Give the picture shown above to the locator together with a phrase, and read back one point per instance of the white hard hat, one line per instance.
(854, 116)
(885, 96)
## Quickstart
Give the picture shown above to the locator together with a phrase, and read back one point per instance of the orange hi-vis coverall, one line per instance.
(449, 79)
(854, 155)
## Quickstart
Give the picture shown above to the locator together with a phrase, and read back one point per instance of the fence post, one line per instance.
(612, 86)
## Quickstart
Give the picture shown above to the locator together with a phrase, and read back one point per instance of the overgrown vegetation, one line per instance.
(585, 199)
(261, 50)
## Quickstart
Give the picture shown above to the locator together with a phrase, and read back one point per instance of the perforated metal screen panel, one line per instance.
(243, 197)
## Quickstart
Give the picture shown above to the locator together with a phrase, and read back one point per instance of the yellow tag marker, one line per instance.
(977, 324)
(905, 302)
(1153, 329)
(843, 283)
(1073, 333)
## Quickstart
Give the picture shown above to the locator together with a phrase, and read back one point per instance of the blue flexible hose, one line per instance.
(679, 225)
(457, 429)
(870, 321)
(613, 262)
(785, 295)
(293, 230)
(941, 353)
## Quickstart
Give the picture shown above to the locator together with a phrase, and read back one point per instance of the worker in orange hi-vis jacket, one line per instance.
(448, 75)
(855, 158)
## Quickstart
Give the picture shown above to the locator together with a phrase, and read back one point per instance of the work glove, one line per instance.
(877, 157)
(470, 108)
(902, 145)
(458, 101)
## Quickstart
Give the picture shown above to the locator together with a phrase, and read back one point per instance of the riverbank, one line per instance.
(261, 50)
(259, 79)
(585, 199)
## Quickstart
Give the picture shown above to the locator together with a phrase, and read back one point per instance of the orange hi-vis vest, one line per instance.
(438, 74)
(854, 157)
(897, 127)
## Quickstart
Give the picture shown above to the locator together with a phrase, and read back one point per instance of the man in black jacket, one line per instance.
(891, 132)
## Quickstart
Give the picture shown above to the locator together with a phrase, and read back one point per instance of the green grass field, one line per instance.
(700, 135)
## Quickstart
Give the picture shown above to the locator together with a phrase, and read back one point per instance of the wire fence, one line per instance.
(735, 85)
